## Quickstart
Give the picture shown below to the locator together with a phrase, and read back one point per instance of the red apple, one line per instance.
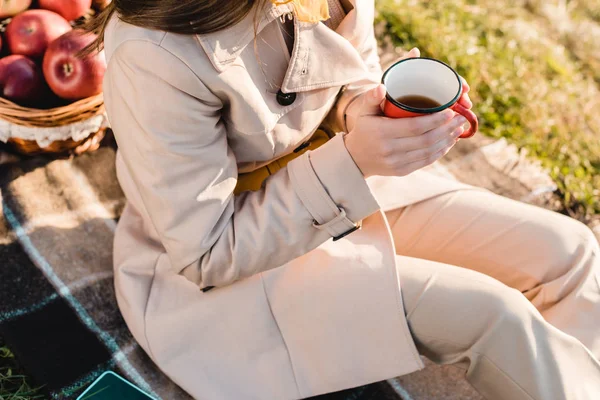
(30, 33)
(68, 9)
(21, 80)
(9, 8)
(69, 76)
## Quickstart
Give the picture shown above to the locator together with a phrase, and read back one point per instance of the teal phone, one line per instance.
(110, 386)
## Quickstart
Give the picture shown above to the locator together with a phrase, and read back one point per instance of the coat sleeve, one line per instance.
(368, 52)
(174, 146)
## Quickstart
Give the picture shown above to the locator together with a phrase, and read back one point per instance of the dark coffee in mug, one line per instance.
(417, 101)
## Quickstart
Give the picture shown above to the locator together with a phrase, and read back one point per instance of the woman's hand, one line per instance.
(398, 147)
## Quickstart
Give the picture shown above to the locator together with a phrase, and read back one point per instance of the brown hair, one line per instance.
(176, 16)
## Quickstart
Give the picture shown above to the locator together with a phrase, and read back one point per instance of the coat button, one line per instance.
(285, 99)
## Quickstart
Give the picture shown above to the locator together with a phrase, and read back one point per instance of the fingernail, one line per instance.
(448, 113)
(461, 120)
(458, 132)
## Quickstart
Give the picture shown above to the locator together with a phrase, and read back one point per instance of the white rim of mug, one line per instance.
(423, 110)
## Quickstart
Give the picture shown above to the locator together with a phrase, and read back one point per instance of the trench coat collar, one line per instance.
(306, 70)
(224, 47)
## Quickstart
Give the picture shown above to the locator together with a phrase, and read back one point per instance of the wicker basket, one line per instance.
(50, 122)
(71, 129)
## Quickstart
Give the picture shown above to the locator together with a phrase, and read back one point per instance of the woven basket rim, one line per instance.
(7, 104)
(77, 111)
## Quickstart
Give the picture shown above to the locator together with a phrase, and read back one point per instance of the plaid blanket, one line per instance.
(58, 311)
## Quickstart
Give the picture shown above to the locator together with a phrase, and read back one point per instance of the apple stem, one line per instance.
(68, 69)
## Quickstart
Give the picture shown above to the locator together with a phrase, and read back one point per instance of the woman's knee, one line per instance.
(481, 318)
(508, 310)
(564, 243)
(570, 227)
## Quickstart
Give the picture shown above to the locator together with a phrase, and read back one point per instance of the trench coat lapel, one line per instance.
(308, 69)
(321, 60)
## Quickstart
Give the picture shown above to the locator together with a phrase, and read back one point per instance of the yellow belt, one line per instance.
(252, 181)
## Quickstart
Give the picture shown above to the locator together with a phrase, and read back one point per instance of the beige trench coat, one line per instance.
(294, 313)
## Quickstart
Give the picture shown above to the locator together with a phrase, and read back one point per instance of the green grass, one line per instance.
(13, 384)
(534, 67)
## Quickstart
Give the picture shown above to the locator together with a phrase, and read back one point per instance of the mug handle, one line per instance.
(470, 116)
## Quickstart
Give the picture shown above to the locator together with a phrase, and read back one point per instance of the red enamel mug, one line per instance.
(429, 78)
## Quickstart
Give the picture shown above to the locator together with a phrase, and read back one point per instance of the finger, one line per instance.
(407, 127)
(465, 101)
(422, 163)
(466, 86)
(433, 137)
(414, 52)
(424, 153)
(371, 101)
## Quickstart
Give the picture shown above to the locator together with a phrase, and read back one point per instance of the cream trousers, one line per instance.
(508, 291)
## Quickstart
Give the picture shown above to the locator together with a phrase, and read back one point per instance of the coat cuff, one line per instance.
(332, 188)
